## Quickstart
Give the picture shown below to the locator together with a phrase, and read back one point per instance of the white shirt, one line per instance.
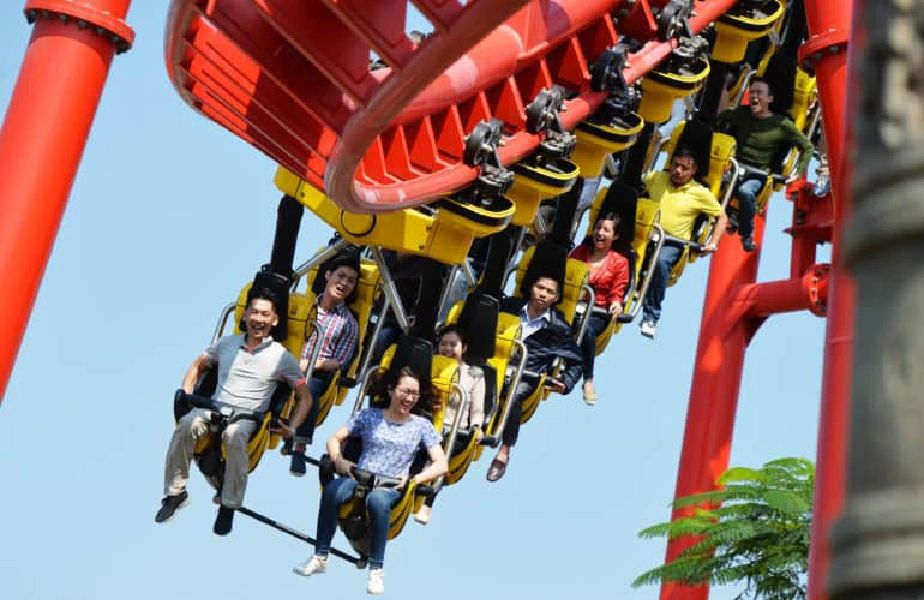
(531, 326)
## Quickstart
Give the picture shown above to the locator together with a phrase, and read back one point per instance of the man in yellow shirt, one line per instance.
(682, 199)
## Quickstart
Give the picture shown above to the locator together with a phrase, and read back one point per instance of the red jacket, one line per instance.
(609, 280)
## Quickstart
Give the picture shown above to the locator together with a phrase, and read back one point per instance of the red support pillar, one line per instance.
(42, 139)
(724, 335)
(829, 23)
(829, 26)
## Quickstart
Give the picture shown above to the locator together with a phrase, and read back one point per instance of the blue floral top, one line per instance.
(389, 448)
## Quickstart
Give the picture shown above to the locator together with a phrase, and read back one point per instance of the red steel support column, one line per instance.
(829, 23)
(723, 337)
(42, 139)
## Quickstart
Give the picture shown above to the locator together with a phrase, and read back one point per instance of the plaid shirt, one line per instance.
(341, 332)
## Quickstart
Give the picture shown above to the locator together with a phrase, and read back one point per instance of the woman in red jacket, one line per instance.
(609, 276)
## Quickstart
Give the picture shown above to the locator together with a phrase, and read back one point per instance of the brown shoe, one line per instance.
(497, 470)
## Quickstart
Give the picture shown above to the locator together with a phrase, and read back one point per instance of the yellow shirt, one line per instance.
(680, 205)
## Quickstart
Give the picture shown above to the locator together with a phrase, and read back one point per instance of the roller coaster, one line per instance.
(481, 145)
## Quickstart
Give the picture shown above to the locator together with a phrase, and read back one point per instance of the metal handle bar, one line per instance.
(657, 236)
(591, 299)
(514, 382)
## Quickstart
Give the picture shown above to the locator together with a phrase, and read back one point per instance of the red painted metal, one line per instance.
(735, 307)
(725, 330)
(391, 138)
(812, 224)
(829, 24)
(41, 141)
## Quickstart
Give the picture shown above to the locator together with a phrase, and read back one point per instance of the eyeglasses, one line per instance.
(408, 393)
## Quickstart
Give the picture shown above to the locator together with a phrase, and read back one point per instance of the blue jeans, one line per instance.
(595, 326)
(389, 334)
(378, 510)
(320, 381)
(651, 309)
(747, 194)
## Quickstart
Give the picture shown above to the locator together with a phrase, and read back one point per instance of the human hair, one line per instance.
(388, 381)
(685, 152)
(263, 294)
(759, 79)
(447, 329)
(588, 241)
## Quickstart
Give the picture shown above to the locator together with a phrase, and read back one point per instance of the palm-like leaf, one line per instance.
(753, 532)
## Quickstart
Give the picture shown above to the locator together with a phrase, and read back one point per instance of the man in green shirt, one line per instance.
(762, 136)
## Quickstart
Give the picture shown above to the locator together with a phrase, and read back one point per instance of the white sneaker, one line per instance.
(422, 516)
(649, 329)
(314, 565)
(376, 583)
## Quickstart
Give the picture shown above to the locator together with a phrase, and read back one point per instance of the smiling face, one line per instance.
(451, 345)
(604, 234)
(259, 318)
(404, 395)
(760, 99)
(340, 283)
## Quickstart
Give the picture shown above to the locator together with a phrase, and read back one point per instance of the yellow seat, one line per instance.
(441, 378)
(595, 141)
(256, 446)
(721, 153)
(534, 183)
(646, 215)
(734, 31)
(506, 339)
(660, 88)
(444, 235)
(576, 276)
(299, 315)
(367, 290)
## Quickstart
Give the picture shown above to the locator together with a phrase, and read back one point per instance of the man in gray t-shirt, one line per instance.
(249, 368)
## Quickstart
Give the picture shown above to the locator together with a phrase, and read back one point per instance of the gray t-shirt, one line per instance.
(247, 379)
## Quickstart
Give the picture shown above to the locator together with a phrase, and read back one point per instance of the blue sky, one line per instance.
(169, 217)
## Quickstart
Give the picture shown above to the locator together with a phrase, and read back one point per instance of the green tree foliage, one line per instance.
(754, 531)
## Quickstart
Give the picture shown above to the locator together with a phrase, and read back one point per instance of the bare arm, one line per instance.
(303, 406)
(327, 364)
(718, 231)
(438, 465)
(194, 371)
(333, 450)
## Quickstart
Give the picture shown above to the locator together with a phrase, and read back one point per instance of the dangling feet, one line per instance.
(224, 520)
(376, 583)
(169, 505)
(313, 566)
(649, 328)
(499, 465)
(590, 393)
(423, 515)
(748, 244)
(298, 465)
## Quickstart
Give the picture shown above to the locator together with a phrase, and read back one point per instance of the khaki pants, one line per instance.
(180, 453)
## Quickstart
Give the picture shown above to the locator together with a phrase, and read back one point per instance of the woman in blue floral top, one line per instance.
(390, 440)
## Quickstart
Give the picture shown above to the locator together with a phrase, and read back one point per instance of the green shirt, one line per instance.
(761, 140)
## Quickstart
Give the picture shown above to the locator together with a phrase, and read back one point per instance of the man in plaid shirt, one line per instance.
(341, 333)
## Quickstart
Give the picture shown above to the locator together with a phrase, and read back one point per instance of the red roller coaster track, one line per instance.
(378, 140)
(381, 140)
